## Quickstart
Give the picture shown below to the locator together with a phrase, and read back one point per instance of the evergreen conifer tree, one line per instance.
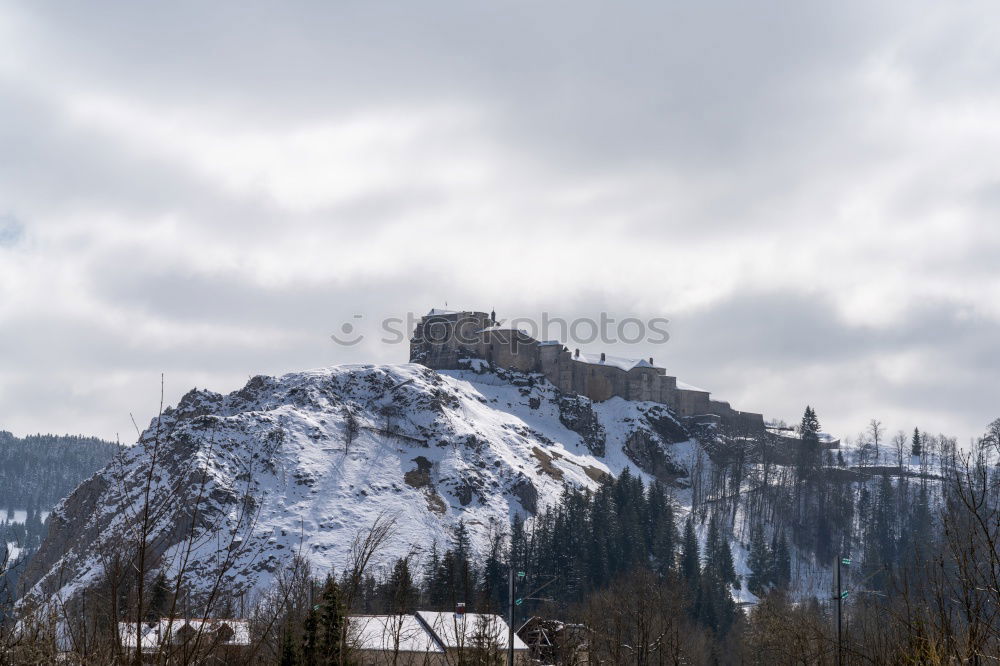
(518, 544)
(808, 458)
(400, 594)
(880, 536)
(915, 541)
(759, 562)
(599, 555)
(287, 650)
(714, 606)
(330, 622)
(690, 556)
(310, 638)
(462, 579)
(664, 537)
(719, 555)
(782, 563)
(728, 570)
(494, 574)
(434, 591)
(159, 597)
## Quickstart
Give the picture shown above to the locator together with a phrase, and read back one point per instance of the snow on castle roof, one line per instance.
(625, 364)
(501, 327)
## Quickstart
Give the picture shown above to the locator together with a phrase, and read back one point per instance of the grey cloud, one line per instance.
(829, 363)
(790, 327)
(227, 299)
(685, 129)
(61, 166)
(609, 85)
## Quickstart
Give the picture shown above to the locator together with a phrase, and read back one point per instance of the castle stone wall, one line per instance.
(444, 339)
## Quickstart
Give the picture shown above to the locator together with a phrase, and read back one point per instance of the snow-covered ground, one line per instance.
(13, 551)
(301, 463)
(17, 515)
(12, 516)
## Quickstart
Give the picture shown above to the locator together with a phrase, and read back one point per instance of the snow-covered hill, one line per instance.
(300, 463)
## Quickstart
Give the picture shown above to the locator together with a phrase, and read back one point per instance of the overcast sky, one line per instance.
(808, 191)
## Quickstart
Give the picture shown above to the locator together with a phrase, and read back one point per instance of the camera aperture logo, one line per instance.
(349, 333)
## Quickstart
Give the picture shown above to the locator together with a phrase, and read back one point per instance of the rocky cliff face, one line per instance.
(298, 464)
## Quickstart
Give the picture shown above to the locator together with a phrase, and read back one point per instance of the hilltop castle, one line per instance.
(448, 339)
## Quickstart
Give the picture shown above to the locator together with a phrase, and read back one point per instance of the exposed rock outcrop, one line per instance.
(576, 412)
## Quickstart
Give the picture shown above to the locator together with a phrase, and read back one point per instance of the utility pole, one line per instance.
(838, 596)
(836, 592)
(511, 602)
(510, 616)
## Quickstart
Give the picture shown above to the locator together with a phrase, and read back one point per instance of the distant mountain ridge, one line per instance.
(37, 471)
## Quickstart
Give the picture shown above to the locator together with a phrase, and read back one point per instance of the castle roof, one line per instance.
(507, 328)
(687, 387)
(625, 364)
(502, 327)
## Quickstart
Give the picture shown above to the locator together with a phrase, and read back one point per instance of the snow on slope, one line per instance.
(300, 463)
